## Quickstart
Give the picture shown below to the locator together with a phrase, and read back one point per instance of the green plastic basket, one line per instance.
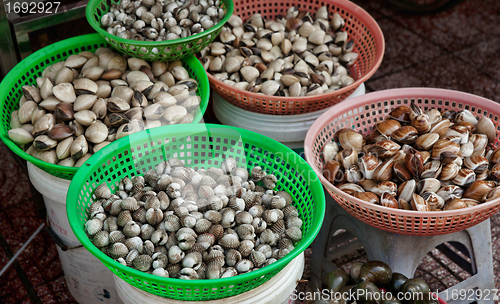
(27, 71)
(199, 146)
(155, 50)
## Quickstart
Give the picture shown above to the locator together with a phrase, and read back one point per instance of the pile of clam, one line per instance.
(295, 55)
(87, 101)
(181, 223)
(150, 20)
(416, 160)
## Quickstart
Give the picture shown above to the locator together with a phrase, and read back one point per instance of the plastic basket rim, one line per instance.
(92, 6)
(369, 98)
(40, 55)
(71, 199)
(379, 42)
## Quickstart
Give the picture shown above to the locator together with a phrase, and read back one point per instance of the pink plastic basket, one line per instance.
(361, 113)
(360, 26)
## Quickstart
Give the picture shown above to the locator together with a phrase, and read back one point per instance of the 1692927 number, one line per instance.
(471, 294)
(32, 7)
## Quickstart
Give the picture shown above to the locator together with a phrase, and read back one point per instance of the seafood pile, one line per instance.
(363, 282)
(181, 223)
(295, 55)
(150, 20)
(89, 100)
(416, 160)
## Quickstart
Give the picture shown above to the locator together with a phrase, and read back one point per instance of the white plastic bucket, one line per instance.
(277, 290)
(88, 280)
(290, 130)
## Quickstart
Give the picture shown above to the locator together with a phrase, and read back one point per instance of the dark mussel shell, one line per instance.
(376, 272)
(396, 282)
(366, 293)
(354, 271)
(335, 280)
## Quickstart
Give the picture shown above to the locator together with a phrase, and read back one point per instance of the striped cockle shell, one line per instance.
(220, 190)
(143, 262)
(270, 216)
(213, 216)
(268, 237)
(192, 260)
(202, 226)
(259, 225)
(232, 257)
(229, 241)
(94, 208)
(289, 211)
(207, 181)
(280, 253)
(243, 217)
(181, 211)
(124, 217)
(217, 231)
(162, 183)
(241, 173)
(110, 224)
(270, 181)
(174, 270)
(229, 165)
(246, 247)
(277, 202)
(206, 240)
(129, 203)
(214, 173)
(100, 216)
(181, 173)
(161, 272)
(152, 202)
(294, 234)
(173, 190)
(185, 240)
(229, 272)
(249, 198)
(205, 192)
(256, 210)
(175, 254)
(134, 243)
(287, 196)
(101, 239)
(159, 237)
(164, 200)
(102, 191)
(213, 271)
(151, 177)
(139, 215)
(93, 226)
(258, 258)
(293, 221)
(131, 229)
(237, 204)
(257, 174)
(197, 247)
(246, 232)
(270, 261)
(171, 223)
(146, 231)
(172, 240)
(201, 271)
(278, 227)
(228, 216)
(118, 250)
(132, 254)
(265, 249)
(116, 236)
(215, 257)
(215, 203)
(188, 221)
(285, 243)
(244, 266)
(154, 216)
(161, 249)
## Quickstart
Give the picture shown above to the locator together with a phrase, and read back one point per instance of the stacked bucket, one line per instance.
(284, 119)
